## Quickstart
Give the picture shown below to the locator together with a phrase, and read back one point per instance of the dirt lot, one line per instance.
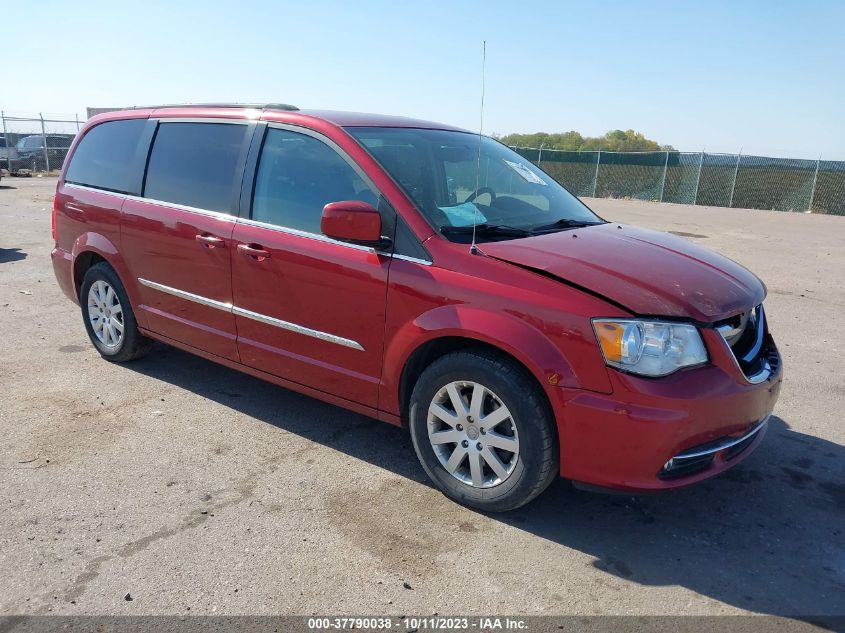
(200, 490)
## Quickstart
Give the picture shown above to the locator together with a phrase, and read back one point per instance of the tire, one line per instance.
(526, 443)
(105, 310)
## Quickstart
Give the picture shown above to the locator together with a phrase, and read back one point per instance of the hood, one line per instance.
(646, 272)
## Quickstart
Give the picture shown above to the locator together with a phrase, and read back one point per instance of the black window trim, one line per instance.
(138, 166)
(248, 193)
(237, 178)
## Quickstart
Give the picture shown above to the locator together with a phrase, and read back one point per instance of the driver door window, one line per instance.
(297, 176)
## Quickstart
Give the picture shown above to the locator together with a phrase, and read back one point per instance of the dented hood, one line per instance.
(646, 272)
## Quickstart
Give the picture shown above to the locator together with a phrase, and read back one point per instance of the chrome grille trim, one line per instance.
(755, 318)
(760, 322)
(730, 333)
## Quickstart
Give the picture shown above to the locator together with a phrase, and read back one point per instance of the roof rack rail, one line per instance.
(256, 106)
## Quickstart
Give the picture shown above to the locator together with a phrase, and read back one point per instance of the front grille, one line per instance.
(747, 334)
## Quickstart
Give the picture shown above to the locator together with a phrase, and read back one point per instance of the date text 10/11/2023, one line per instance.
(411, 623)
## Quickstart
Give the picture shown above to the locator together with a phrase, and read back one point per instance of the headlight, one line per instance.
(650, 348)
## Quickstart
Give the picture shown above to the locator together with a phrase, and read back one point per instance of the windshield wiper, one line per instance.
(563, 223)
(485, 229)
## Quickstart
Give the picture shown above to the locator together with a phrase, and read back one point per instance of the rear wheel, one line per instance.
(108, 316)
(483, 432)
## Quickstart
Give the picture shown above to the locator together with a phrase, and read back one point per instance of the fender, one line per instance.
(90, 242)
(512, 335)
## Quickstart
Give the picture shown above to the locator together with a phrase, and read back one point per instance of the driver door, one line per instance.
(308, 308)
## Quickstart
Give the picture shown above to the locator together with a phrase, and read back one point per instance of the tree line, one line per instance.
(613, 141)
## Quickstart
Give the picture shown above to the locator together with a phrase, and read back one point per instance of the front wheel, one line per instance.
(483, 432)
(108, 316)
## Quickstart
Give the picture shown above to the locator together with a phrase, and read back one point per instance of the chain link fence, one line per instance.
(718, 180)
(30, 143)
(40, 143)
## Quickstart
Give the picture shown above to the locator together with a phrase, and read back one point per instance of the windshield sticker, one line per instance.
(465, 214)
(527, 174)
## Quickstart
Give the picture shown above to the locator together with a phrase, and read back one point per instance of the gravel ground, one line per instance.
(196, 489)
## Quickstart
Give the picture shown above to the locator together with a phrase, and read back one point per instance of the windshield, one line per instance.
(503, 193)
(29, 142)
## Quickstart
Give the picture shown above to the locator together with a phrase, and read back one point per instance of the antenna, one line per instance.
(473, 249)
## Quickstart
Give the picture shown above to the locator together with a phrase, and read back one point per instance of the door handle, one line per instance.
(210, 241)
(70, 206)
(253, 250)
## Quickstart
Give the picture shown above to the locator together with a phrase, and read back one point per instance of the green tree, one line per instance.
(613, 141)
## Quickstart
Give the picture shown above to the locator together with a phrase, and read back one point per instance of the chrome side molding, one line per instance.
(249, 314)
(182, 294)
(299, 329)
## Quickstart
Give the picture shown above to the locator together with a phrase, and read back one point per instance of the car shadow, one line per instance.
(766, 536)
(11, 255)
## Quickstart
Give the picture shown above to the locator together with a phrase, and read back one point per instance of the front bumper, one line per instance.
(702, 457)
(705, 419)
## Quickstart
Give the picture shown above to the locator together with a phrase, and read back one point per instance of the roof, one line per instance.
(252, 106)
(363, 119)
(277, 111)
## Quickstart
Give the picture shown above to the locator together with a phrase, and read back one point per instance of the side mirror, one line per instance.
(353, 221)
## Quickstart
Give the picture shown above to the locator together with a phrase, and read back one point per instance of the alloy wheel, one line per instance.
(105, 314)
(473, 434)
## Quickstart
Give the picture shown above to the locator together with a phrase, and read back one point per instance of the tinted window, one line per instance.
(105, 156)
(297, 176)
(195, 164)
(59, 141)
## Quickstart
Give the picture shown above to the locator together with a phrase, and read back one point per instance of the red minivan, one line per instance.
(422, 275)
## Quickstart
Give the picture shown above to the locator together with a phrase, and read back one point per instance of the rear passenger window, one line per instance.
(195, 164)
(297, 176)
(105, 157)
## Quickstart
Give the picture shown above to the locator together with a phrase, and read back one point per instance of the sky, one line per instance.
(765, 78)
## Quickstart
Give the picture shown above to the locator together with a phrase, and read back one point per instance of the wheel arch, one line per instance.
(418, 344)
(91, 248)
(81, 263)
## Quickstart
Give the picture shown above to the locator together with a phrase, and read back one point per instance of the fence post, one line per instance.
(698, 178)
(540, 155)
(44, 140)
(596, 176)
(663, 184)
(815, 179)
(6, 138)
(733, 187)
(76, 116)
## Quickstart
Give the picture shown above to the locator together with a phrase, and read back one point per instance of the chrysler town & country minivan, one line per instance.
(425, 276)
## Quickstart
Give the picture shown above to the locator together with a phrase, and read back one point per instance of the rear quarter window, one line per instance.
(105, 157)
(196, 164)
